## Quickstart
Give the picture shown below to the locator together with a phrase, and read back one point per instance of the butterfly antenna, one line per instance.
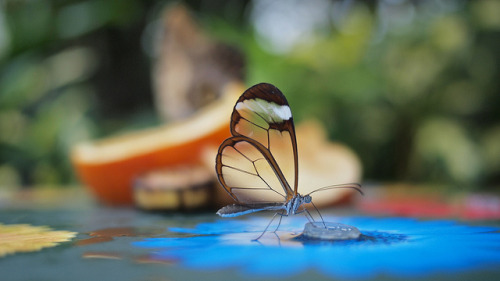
(319, 213)
(355, 186)
(265, 228)
(308, 215)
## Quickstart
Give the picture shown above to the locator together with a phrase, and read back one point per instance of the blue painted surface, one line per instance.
(402, 247)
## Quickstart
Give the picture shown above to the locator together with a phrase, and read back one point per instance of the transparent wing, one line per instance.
(249, 173)
(262, 114)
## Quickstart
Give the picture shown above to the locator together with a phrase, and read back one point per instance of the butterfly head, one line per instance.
(307, 199)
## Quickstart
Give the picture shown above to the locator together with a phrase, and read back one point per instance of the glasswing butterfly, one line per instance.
(258, 165)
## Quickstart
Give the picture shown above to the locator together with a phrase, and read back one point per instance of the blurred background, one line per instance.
(411, 86)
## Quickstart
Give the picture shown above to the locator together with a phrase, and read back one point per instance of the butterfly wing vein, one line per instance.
(259, 163)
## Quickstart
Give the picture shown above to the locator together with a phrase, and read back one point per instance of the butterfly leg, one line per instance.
(272, 219)
(309, 217)
(282, 214)
(307, 214)
(322, 220)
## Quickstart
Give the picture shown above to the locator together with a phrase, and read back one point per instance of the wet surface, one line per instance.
(397, 247)
(107, 234)
(103, 248)
(127, 244)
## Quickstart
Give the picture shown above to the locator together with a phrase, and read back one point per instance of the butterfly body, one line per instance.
(291, 207)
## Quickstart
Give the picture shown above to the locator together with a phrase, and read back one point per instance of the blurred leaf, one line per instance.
(23, 81)
(490, 148)
(486, 13)
(31, 21)
(444, 142)
(412, 87)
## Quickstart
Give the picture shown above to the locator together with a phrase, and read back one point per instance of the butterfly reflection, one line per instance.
(258, 165)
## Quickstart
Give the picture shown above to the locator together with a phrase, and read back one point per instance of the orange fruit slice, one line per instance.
(109, 166)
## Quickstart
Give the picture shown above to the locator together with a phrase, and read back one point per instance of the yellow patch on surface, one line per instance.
(17, 238)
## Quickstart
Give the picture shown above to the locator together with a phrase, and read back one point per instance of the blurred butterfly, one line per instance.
(258, 165)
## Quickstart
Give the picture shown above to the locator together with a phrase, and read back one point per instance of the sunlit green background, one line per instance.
(411, 86)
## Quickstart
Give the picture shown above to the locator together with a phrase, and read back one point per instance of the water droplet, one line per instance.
(332, 231)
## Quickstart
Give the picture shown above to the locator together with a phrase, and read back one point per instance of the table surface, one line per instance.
(115, 255)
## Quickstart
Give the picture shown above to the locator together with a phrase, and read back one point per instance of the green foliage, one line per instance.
(417, 101)
(417, 105)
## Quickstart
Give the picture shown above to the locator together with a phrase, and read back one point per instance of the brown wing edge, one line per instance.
(267, 92)
(268, 156)
(264, 91)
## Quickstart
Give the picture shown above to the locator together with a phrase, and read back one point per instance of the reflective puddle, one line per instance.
(400, 247)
